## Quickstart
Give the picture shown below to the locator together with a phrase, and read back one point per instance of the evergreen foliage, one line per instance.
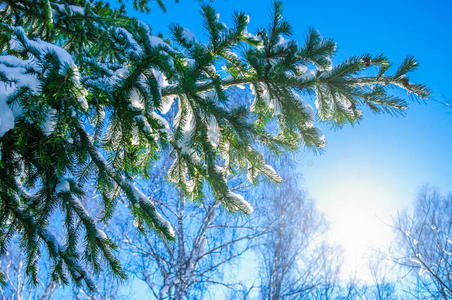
(90, 96)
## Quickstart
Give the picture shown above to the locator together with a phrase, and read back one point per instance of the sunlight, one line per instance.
(358, 212)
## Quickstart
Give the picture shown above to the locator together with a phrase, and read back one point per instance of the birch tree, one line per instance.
(424, 240)
(296, 261)
(207, 239)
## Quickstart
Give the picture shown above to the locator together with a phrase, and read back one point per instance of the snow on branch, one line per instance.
(132, 192)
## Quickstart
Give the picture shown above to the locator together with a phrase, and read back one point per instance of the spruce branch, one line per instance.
(56, 250)
(154, 219)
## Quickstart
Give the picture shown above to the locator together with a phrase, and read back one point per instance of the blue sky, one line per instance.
(368, 172)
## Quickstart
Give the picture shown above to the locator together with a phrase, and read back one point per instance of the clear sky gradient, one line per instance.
(370, 171)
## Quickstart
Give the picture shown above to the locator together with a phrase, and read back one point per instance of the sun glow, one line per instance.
(359, 212)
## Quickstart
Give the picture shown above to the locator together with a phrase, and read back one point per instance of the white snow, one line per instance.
(329, 67)
(306, 107)
(190, 184)
(272, 103)
(77, 9)
(162, 81)
(71, 9)
(344, 102)
(49, 123)
(252, 36)
(83, 103)
(100, 234)
(270, 172)
(187, 122)
(62, 187)
(146, 126)
(50, 239)
(121, 72)
(213, 131)
(211, 68)
(18, 76)
(136, 99)
(13, 61)
(108, 83)
(43, 48)
(265, 95)
(250, 175)
(132, 48)
(165, 104)
(6, 114)
(59, 6)
(162, 121)
(284, 43)
(188, 35)
(239, 202)
(135, 139)
(78, 203)
(14, 44)
(185, 142)
(254, 94)
(142, 198)
(276, 105)
(301, 68)
(308, 74)
(324, 108)
(190, 62)
(16, 72)
(22, 74)
(321, 137)
(156, 41)
(187, 125)
(64, 57)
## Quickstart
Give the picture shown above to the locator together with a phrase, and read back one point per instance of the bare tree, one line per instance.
(384, 286)
(424, 244)
(16, 285)
(296, 261)
(187, 267)
(351, 288)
